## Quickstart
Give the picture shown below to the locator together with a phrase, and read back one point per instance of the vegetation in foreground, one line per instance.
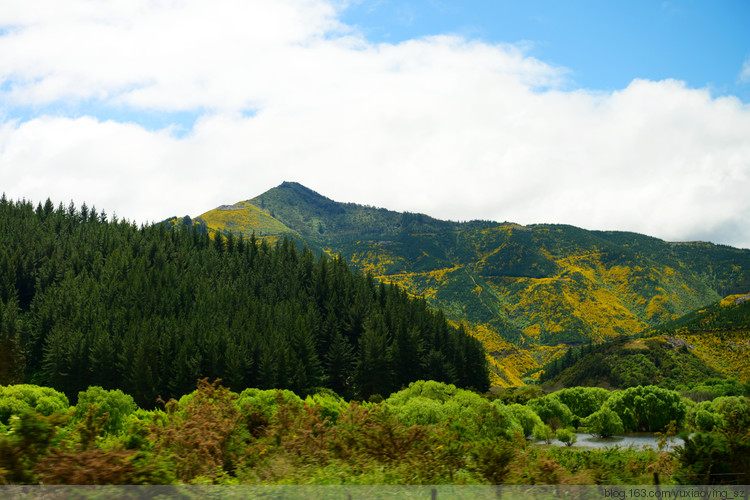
(428, 433)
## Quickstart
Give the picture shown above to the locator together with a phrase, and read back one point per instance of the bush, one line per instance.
(604, 423)
(543, 432)
(258, 406)
(567, 437)
(328, 403)
(552, 411)
(648, 409)
(733, 408)
(526, 418)
(438, 391)
(14, 399)
(202, 433)
(705, 459)
(469, 415)
(420, 411)
(115, 404)
(707, 421)
(583, 401)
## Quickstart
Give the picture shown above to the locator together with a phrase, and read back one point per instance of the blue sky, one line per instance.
(606, 115)
(603, 44)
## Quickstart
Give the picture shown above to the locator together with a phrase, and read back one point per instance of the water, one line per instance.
(636, 440)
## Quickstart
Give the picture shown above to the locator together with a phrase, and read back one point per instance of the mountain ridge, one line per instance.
(516, 288)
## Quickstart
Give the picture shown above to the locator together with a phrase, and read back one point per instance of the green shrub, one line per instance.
(438, 391)
(44, 400)
(707, 421)
(116, 404)
(705, 458)
(420, 411)
(604, 423)
(552, 411)
(328, 403)
(265, 401)
(734, 408)
(543, 432)
(583, 401)
(525, 416)
(648, 409)
(567, 437)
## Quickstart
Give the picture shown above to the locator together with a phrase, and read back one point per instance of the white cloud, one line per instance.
(453, 128)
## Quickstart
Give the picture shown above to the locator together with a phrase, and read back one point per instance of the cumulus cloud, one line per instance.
(451, 127)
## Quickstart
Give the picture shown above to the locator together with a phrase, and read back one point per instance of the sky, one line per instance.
(629, 116)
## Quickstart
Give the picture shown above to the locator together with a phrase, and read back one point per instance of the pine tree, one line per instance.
(103, 361)
(339, 363)
(372, 374)
(12, 358)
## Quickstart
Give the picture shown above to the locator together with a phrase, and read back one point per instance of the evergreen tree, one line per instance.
(12, 358)
(339, 363)
(372, 369)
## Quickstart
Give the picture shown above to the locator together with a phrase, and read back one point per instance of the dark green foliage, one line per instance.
(149, 310)
(372, 374)
(12, 356)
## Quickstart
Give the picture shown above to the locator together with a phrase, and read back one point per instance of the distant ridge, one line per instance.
(316, 216)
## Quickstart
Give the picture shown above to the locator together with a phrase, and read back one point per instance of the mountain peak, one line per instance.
(297, 188)
(293, 194)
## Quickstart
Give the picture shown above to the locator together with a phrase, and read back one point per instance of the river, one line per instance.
(635, 440)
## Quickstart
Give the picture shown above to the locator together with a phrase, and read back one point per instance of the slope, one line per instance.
(718, 334)
(515, 287)
(625, 362)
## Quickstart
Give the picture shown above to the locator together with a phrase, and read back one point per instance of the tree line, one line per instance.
(86, 299)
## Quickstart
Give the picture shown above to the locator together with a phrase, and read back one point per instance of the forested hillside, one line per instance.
(88, 300)
(625, 362)
(517, 288)
(704, 346)
(719, 334)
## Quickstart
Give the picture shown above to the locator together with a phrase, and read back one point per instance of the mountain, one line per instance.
(520, 289)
